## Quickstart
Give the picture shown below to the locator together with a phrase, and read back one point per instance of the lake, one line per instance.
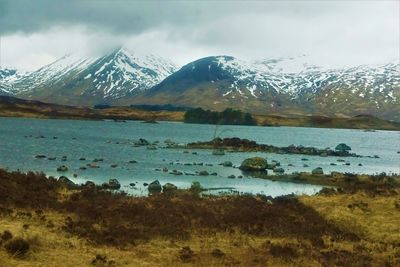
(21, 139)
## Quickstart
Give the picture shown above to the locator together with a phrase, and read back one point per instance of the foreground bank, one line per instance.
(43, 222)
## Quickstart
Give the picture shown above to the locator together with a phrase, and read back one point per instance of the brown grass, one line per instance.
(93, 226)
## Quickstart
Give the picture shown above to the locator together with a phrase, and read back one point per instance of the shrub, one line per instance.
(196, 188)
(6, 235)
(17, 246)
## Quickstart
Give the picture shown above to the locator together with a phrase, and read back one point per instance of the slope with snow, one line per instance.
(79, 80)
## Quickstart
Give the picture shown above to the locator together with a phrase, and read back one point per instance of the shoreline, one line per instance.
(14, 107)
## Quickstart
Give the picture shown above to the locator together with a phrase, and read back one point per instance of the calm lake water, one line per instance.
(112, 141)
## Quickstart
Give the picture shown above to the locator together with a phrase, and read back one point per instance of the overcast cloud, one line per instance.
(331, 33)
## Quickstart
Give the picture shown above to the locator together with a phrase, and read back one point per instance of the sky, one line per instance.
(330, 33)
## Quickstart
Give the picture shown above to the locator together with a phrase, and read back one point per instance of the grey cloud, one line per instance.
(332, 32)
(127, 17)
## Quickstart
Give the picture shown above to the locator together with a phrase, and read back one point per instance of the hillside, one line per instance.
(14, 107)
(221, 82)
(77, 80)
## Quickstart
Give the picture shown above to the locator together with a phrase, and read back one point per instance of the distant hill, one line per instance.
(14, 107)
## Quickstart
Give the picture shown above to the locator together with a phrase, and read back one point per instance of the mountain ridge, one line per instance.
(214, 82)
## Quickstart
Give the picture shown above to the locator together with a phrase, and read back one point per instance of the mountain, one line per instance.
(7, 77)
(284, 86)
(264, 87)
(78, 80)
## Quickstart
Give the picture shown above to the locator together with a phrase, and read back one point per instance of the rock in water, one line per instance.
(317, 171)
(254, 164)
(154, 187)
(169, 188)
(62, 168)
(203, 173)
(114, 184)
(342, 147)
(227, 164)
(278, 170)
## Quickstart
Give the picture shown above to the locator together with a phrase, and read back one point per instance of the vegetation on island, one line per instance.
(228, 116)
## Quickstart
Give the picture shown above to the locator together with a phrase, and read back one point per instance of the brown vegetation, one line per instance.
(14, 107)
(91, 226)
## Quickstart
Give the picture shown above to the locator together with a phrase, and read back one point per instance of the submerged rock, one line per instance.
(142, 142)
(62, 168)
(218, 152)
(92, 165)
(154, 187)
(317, 170)
(203, 173)
(254, 164)
(227, 164)
(40, 156)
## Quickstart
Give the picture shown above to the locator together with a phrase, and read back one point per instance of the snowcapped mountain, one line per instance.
(7, 77)
(285, 86)
(265, 87)
(90, 80)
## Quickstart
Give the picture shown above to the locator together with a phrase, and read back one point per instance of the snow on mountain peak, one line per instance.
(117, 74)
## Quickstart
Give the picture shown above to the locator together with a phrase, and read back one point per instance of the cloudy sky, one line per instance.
(331, 33)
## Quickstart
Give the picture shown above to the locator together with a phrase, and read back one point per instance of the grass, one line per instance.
(93, 227)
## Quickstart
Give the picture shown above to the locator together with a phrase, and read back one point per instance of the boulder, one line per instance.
(271, 166)
(278, 170)
(169, 188)
(203, 173)
(154, 187)
(254, 164)
(342, 147)
(142, 142)
(114, 184)
(227, 164)
(317, 170)
(62, 168)
(67, 182)
(40, 156)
